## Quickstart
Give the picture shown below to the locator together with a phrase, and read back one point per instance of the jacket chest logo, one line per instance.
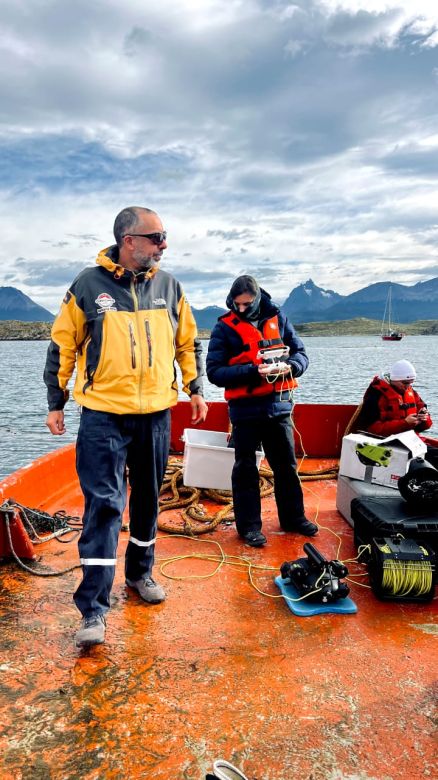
(105, 303)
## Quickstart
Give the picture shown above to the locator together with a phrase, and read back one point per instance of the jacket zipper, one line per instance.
(140, 384)
(149, 341)
(133, 345)
(83, 350)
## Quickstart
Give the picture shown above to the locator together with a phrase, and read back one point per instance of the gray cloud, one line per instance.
(48, 274)
(137, 40)
(364, 28)
(199, 277)
(428, 271)
(304, 131)
(55, 244)
(229, 235)
(412, 159)
(88, 237)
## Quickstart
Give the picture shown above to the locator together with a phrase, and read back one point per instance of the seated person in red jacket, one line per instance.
(391, 405)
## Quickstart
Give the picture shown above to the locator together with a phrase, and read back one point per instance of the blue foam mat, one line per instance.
(306, 608)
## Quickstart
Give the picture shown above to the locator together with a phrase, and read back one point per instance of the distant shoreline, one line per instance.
(14, 330)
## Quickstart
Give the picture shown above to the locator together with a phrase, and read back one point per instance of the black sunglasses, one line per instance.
(156, 238)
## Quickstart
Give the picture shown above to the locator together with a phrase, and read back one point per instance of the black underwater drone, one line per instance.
(315, 577)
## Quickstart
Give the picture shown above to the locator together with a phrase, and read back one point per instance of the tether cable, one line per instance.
(223, 560)
(36, 572)
(404, 578)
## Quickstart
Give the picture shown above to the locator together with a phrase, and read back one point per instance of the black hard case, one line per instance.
(387, 516)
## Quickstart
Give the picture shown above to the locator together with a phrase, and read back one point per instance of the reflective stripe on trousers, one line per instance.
(106, 444)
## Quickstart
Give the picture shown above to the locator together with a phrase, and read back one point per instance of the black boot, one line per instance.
(305, 527)
(254, 538)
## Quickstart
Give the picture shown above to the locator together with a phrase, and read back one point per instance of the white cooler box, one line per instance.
(208, 462)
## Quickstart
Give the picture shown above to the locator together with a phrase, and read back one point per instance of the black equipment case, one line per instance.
(387, 516)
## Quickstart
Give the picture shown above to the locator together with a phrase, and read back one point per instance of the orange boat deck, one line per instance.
(216, 671)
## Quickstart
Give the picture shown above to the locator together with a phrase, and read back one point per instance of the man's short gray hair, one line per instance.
(127, 220)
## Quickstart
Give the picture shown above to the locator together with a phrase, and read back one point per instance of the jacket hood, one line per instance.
(380, 379)
(108, 258)
(267, 308)
(383, 382)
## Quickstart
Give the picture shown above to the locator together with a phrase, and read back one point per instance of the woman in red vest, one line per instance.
(391, 405)
(259, 391)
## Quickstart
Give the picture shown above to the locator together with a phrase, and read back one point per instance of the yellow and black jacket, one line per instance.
(125, 331)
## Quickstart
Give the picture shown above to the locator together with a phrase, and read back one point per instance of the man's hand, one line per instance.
(55, 422)
(199, 409)
(411, 420)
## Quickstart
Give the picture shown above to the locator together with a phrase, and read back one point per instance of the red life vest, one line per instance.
(251, 337)
(395, 406)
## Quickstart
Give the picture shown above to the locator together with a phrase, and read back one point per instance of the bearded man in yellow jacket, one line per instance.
(123, 323)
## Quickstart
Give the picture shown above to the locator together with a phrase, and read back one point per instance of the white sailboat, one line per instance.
(389, 331)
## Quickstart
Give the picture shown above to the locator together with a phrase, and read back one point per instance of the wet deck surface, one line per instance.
(217, 671)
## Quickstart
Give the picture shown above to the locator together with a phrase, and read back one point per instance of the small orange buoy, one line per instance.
(10, 520)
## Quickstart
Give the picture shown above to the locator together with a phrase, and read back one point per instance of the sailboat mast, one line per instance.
(388, 332)
(389, 310)
(384, 330)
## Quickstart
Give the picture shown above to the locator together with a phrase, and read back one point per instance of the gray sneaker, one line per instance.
(148, 589)
(91, 632)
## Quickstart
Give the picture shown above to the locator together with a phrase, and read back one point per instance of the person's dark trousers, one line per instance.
(106, 444)
(276, 437)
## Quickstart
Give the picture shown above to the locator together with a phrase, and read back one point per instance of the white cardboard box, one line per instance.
(379, 461)
(208, 462)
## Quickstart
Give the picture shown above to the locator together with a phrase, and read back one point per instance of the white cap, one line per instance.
(403, 369)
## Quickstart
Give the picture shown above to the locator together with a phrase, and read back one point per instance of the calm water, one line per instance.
(340, 370)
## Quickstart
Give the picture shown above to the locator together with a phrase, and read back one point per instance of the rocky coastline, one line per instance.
(15, 330)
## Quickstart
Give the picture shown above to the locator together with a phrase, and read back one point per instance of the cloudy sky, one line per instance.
(283, 139)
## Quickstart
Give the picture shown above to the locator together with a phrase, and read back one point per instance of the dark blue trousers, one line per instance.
(106, 444)
(276, 436)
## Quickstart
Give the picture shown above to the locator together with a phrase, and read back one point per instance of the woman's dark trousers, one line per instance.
(276, 436)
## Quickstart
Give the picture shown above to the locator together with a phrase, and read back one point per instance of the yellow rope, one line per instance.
(352, 421)
(406, 578)
(220, 561)
(194, 518)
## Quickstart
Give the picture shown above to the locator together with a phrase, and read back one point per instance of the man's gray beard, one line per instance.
(149, 262)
